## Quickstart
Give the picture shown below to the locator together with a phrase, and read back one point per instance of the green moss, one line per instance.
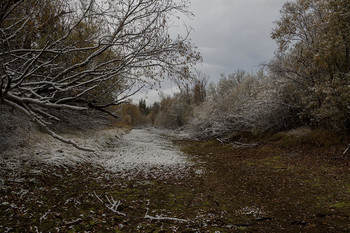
(341, 205)
(347, 188)
(275, 162)
(267, 150)
(210, 143)
(92, 223)
(316, 138)
(321, 198)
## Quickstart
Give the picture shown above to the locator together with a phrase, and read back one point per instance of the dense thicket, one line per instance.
(312, 64)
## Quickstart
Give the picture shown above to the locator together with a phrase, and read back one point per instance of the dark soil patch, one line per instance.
(296, 189)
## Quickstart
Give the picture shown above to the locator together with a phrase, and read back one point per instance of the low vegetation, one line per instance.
(271, 187)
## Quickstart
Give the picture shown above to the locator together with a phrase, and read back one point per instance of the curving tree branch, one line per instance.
(55, 54)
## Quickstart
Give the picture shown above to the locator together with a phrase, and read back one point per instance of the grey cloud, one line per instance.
(234, 34)
(231, 34)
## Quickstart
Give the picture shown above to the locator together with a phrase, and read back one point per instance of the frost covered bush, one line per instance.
(176, 111)
(239, 103)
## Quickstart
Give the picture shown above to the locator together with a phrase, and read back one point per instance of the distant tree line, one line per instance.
(306, 83)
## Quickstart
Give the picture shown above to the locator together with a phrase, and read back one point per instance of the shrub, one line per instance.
(241, 103)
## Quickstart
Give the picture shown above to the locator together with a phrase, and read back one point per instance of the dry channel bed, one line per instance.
(268, 188)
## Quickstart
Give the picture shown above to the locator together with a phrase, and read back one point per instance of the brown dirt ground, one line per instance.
(274, 187)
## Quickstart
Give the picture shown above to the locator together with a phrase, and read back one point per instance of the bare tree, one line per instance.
(86, 54)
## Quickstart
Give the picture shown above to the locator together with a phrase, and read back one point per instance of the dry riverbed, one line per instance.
(145, 181)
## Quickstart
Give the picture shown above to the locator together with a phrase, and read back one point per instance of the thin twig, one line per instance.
(159, 218)
(346, 150)
(239, 144)
(111, 205)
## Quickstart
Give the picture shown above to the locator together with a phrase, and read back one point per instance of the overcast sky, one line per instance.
(230, 35)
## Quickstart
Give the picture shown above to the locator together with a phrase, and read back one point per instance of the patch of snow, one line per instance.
(145, 152)
(47, 150)
(256, 212)
(199, 172)
(176, 133)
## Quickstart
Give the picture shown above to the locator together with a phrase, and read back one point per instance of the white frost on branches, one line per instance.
(86, 55)
(240, 102)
